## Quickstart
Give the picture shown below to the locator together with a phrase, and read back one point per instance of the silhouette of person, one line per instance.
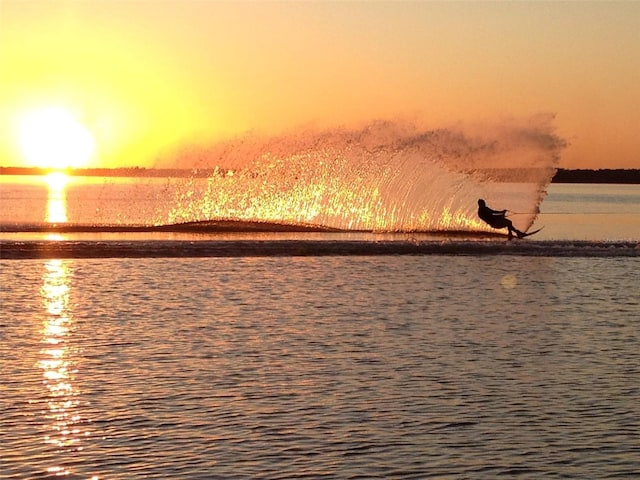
(497, 219)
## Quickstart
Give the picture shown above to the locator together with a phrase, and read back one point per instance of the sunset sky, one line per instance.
(149, 77)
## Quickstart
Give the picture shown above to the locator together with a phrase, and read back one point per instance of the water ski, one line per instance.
(530, 233)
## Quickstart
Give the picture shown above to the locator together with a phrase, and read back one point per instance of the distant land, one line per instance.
(628, 176)
(597, 176)
(127, 172)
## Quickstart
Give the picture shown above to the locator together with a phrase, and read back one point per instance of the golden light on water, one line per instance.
(63, 421)
(509, 281)
(57, 197)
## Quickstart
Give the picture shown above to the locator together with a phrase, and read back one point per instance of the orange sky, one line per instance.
(151, 76)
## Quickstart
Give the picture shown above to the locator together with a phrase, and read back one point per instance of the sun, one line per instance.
(52, 137)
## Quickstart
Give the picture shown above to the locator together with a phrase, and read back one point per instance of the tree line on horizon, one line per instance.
(563, 175)
(607, 175)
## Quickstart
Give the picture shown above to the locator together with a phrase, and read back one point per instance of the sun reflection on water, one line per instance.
(64, 423)
(57, 197)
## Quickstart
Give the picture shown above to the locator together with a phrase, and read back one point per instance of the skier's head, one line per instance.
(481, 203)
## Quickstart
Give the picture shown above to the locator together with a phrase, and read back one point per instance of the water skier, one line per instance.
(498, 219)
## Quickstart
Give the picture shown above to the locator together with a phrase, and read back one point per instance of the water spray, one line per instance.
(387, 176)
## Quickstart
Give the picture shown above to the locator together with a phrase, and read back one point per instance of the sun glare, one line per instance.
(57, 198)
(52, 137)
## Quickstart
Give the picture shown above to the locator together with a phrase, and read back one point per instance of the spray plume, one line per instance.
(386, 176)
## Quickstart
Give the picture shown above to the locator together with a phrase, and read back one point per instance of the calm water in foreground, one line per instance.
(332, 367)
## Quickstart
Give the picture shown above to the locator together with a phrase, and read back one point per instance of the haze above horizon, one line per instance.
(149, 78)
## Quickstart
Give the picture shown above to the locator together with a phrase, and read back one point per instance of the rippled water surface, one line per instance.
(331, 367)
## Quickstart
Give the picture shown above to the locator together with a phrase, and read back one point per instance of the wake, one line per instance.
(62, 249)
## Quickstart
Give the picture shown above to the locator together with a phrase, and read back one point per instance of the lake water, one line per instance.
(333, 366)
(584, 212)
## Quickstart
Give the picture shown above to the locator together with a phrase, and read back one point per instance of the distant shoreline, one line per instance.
(618, 175)
(127, 172)
(626, 176)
